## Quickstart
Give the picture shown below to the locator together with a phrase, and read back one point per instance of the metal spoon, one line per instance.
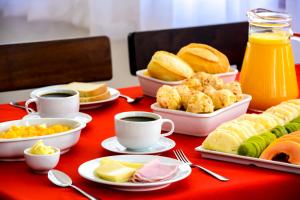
(61, 179)
(16, 104)
(132, 100)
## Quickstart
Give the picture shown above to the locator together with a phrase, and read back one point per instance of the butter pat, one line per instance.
(39, 148)
(116, 171)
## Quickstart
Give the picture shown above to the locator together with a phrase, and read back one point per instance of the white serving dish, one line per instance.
(13, 149)
(269, 164)
(150, 85)
(202, 124)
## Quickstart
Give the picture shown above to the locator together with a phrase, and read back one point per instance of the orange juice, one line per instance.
(268, 71)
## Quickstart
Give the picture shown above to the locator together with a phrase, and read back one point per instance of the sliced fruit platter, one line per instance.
(270, 139)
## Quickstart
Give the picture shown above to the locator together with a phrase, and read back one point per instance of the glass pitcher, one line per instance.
(268, 70)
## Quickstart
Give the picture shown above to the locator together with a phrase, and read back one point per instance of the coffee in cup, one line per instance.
(138, 130)
(55, 102)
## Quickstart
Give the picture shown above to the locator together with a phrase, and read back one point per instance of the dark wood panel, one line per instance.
(30, 65)
(231, 39)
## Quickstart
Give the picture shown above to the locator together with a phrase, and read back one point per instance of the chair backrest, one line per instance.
(231, 39)
(36, 64)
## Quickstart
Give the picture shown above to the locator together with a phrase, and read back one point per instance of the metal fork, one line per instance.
(182, 157)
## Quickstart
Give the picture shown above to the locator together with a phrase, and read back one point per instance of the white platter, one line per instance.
(86, 170)
(150, 85)
(13, 149)
(202, 124)
(269, 164)
(85, 105)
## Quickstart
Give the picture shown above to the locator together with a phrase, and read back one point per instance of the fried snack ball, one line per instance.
(168, 97)
(235, 88)
(209, 90)
(209, 79)
(194, 84)
(200, 103)
(223, 98)
(185, 92)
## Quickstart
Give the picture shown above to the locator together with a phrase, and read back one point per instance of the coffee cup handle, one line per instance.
(29, 101)
(172, 127)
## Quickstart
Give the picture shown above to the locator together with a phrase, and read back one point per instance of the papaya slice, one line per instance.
(287, 147)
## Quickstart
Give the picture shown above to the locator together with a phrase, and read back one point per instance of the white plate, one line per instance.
(201, 124)
(13, 149)
(245, 160)
(112, 144)
(81, 117)
(86, 170)
(85, 105)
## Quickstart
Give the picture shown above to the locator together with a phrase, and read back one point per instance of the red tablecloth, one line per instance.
(246, 182)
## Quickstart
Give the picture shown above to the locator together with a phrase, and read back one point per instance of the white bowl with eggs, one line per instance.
(13, 149)
(150, 85)
(202, 124)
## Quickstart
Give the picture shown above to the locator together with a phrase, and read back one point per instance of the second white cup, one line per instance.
(139, 130)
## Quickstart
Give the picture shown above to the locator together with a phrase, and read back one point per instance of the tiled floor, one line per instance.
(118, 19)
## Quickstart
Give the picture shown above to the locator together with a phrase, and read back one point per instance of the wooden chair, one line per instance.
(36, 64)
(231, 39)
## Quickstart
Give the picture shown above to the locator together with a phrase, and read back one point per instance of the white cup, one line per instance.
(140, 134)
(56, 107)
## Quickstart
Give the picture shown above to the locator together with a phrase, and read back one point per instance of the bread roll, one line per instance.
(204, 58)
(168, 67)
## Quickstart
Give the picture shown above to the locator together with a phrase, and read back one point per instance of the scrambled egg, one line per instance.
(33, 130)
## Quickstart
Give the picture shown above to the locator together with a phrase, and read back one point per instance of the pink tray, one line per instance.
(150, 85)
(202, 124)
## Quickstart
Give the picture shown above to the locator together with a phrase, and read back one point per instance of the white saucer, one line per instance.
(112, 144)
(82, 117)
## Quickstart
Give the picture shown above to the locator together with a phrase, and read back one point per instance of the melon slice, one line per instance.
(288, 147)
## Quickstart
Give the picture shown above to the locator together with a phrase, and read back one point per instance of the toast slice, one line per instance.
(88, 89)
(100, 97)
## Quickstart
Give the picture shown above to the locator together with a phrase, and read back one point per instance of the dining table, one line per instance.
(246, 181)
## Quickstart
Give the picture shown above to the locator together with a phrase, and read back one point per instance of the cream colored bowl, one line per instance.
(13, 149)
